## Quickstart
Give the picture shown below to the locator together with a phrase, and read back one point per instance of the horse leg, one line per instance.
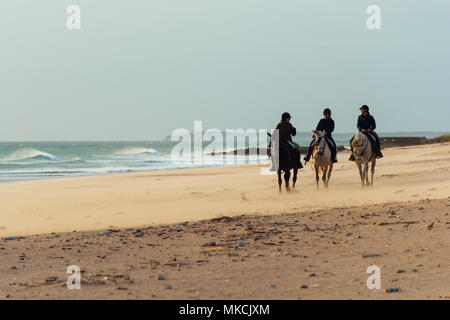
(279, 180)
(324, 176)
(366, 172)
(329, 174)
(294, 178)
(287, 175)
(317, 175)
(361, 174)
(372, 170)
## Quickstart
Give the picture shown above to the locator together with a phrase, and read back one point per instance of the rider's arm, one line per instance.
(293, 131)
(373, 124)
(319, 126)
(358, 124)
(331, 126)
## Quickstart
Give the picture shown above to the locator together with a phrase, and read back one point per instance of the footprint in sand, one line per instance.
(194, 192)
(399, 191)
(433, 189)
(2, 228)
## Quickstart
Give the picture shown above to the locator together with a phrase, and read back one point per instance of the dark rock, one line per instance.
(370, 255)
(209, 244)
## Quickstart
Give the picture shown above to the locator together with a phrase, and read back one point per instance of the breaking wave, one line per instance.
(136, 151)
(31, 154)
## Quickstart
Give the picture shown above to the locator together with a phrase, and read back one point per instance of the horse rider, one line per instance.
(286, 130)
(325, 124)
(366, 124)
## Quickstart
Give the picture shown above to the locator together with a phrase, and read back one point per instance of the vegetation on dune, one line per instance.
(443, 138)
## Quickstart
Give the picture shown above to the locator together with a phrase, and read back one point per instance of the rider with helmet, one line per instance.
(366, 124)
(325, 124)
(285, 131)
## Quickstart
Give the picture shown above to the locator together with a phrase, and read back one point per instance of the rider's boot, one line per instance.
(333, 159)
(308, 156)
(352, 157)
(378, 154)
(333, 156)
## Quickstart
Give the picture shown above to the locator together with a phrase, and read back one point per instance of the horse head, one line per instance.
(319, 137)
(359, 144)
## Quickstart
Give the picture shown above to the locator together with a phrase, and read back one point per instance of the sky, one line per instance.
(137, 70)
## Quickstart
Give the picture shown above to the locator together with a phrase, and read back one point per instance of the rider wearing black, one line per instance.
(326, 124)
(286, 130)
(366, 124)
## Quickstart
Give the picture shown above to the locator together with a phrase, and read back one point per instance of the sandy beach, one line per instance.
(226, 232)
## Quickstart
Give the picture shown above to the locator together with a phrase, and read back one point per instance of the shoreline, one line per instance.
(387, 142)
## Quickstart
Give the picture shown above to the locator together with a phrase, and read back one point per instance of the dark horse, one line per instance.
(286, 162)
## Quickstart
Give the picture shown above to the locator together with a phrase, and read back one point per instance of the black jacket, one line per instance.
(366, 122)
(327, 125)
(286, 130)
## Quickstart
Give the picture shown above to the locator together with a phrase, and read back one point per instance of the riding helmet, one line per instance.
(365, 108)
(327, 111)
(285, 116)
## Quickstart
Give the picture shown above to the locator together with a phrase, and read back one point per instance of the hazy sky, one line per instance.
(139, 69)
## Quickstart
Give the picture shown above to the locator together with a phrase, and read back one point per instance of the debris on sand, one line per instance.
(161, 277)
(390, 290)
(105, 233)
(13, 238)
(209, 244)
(370, 255)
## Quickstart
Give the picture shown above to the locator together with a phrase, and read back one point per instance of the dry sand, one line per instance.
(318, 240)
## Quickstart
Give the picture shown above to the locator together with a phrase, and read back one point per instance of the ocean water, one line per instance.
(45, 160)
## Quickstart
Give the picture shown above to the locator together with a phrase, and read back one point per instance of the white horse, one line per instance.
(322, 158)
(363, 153)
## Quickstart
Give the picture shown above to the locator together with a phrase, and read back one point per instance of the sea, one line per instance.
(23, 161)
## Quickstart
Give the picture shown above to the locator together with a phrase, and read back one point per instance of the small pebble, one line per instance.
(161, 277)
